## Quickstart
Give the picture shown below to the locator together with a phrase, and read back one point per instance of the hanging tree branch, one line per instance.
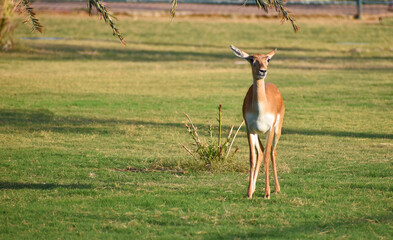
(279, 5)
(263, 4)
(101, 10)
(104, 13)
(172, 11)
(36, 25)
(107, 16)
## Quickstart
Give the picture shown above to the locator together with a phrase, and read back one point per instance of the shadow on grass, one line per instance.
(61, 52)
(42, 186)
(261, 49)
(311, 132)
(43, 119)
(359, 224)
(58, 52)
(17, 116)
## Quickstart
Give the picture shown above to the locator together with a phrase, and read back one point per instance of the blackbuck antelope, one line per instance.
(263, 112)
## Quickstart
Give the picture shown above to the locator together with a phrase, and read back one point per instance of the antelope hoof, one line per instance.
(267, 196)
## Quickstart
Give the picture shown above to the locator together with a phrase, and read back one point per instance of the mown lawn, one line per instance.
(75, 110)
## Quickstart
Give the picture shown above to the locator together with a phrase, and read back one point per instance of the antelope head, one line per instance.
(259, 62)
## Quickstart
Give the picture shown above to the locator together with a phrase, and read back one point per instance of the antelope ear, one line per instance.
(239, 53)
(271, 54)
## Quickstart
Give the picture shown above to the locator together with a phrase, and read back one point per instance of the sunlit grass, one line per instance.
(72, 111)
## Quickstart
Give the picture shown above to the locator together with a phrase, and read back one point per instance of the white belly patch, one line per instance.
(259, 123)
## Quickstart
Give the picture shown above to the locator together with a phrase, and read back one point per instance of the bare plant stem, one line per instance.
(194, 129)
(189, 151)
(230, 133)
(233, 139)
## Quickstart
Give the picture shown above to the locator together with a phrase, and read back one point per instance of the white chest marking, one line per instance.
(260, 122)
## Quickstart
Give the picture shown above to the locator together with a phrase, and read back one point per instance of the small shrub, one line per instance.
(214, 154)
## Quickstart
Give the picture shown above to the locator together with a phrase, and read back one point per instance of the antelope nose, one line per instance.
(262, 71)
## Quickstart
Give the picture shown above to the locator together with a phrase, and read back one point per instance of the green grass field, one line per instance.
(75, 110)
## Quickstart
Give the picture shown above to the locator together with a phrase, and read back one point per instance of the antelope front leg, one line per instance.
(274, 160)
(266, 163)
(274, 163)
(259, 148)
(251, 143)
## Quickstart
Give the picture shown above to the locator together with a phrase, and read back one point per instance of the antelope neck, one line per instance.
(259, 93)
